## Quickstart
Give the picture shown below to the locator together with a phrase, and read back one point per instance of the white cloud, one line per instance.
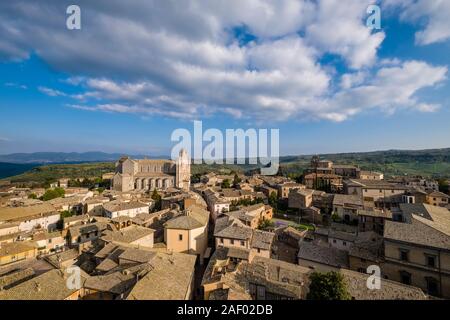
(16, 85)
(435, 12)
(390, 89)
(181, 59)
(51, 92)
(339, 29)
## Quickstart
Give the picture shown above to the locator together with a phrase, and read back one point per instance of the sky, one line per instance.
(136, 71)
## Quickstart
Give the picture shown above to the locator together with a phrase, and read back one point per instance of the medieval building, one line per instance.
(150, 174)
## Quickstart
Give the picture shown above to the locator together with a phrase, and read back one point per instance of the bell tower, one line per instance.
(183, 167)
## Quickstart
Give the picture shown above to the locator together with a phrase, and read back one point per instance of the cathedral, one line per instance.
(150, 174)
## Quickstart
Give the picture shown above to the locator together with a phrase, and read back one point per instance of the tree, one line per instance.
(335, 217)
(32, 196)
(265, 224)
(66, 214)
(53, 194)
(236, 180)
(273, 199)
(443, 186)
(157, 197)
(226, 184)
(327, 286)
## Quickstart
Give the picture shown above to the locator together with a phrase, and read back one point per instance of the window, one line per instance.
(180, 237)
(344, 243)
(431, 261)
(242, 243)
(221, 240)
(259, 250)
(334, 240)
(405, 277)
(232, 241)
(404, 255)
(432, 286)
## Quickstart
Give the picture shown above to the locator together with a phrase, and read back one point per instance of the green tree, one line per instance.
(335, 218)
(53, 194)
(327, 286)
(66, 214)
(265, 224)
(443, 186)
(32, 196)
(157, 197)
(273, 199)
(236, 180)
(226, 184)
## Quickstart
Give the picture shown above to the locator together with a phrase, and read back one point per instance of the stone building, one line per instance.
(417, 251)
(150, 174)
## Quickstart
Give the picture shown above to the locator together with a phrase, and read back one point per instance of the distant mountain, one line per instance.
(62, 157)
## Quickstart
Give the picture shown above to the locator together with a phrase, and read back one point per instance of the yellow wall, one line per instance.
(19, 256)
(171, 237)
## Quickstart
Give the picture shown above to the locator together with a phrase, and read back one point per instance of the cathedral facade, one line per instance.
(150, 174)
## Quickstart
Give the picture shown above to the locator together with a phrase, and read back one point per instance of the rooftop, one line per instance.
(357, 287)
(12, 248)
(324, 255)
(127, 234)
(425, 225)
(47, 286)
(170, 278)
(262, 239)
(115, 206)
(19, 213)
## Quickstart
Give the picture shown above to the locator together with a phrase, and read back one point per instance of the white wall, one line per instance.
(48, 222)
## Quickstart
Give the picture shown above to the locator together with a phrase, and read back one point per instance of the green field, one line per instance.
(428, 163)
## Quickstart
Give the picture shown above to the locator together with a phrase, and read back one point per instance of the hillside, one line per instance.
(430, 163)
(64, 157)
(48, 173)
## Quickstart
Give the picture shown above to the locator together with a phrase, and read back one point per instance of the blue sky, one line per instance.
(130, 77)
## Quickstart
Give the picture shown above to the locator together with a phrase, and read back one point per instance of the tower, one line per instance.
(183, 170)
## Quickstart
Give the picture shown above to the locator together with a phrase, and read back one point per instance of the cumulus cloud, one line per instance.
(339, 29)
(436, 14)
(184, 59)
(391, 88)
